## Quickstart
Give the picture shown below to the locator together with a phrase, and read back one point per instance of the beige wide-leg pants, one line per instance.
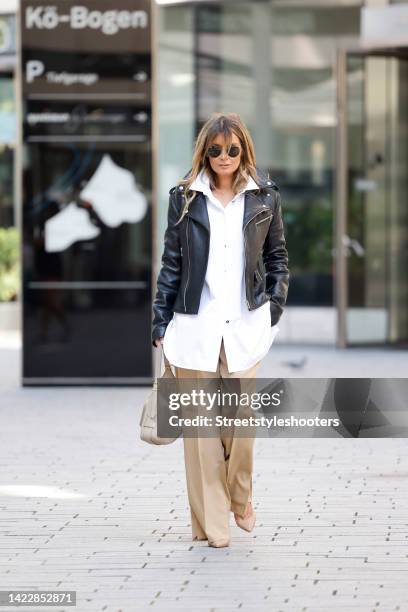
(218, 469)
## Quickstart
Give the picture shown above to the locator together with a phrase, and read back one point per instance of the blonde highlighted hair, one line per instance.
(225, 124)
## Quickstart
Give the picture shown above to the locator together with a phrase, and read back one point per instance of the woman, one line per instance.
(221, 290)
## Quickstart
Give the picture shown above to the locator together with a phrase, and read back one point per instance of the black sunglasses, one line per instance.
(215, 151)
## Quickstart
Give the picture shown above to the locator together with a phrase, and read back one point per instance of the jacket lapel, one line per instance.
(252, 205)
(198, 210)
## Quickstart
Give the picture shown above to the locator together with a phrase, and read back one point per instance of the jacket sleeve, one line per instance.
(275, 257)
(168, 280)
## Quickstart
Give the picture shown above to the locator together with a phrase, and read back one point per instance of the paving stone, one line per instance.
(86, 506)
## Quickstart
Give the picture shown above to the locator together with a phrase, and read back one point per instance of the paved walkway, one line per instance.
(86, 506)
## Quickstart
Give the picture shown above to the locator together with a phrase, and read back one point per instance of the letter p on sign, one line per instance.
(34, 68)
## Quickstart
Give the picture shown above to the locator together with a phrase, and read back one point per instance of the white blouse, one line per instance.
(193, 341)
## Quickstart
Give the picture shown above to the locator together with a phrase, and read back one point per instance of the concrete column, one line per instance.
(262, 71)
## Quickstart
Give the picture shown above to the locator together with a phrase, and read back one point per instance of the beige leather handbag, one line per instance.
(148, 420)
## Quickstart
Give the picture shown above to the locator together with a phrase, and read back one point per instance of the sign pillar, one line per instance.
(87, 192)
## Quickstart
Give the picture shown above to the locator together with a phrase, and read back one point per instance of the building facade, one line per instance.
(278, 64)
(8, 121)
(322, 86)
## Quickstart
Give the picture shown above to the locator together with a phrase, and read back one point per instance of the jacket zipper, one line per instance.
(188, 272)
(245, 242)
(262, 220)
(258, 275)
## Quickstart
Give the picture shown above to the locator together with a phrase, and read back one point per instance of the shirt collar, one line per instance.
(202, 183)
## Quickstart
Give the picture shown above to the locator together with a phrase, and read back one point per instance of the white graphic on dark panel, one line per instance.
(114, 196)
(68, 226)
(113, 193)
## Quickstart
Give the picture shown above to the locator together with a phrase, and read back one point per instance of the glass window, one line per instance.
(175, 105)
(7, 139)
(273, 63)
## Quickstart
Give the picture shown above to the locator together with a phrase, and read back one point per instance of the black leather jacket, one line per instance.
(185, 255)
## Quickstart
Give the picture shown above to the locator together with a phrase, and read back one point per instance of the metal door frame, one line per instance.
(341, 180)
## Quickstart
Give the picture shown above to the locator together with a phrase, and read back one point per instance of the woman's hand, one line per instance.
(159, 341)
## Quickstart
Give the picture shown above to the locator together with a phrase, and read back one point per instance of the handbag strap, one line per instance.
(158, 358)
(161, 362)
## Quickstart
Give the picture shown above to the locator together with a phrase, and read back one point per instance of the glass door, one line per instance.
(372, 189)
